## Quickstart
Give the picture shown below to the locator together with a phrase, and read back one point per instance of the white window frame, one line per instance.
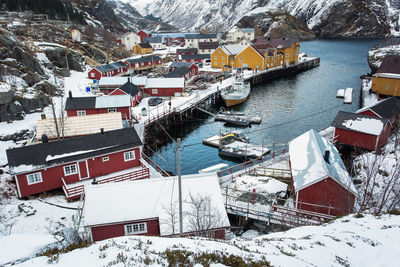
(81, 112)
(129, 155)
(154, 91)
(92, 75)
(111, 110)
(36, 178)
(106, 159)
(135, 228)
(70, 169)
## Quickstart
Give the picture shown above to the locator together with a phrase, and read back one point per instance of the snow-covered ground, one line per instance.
(349, 241)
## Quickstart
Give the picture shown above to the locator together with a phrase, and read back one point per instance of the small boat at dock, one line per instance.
(224, 139)
(230, 118)
(214, 168)
(340, 93)
(348, 96)
(242, 151)
(237, 121)
(237, 93)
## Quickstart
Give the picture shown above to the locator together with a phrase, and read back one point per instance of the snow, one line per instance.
(308, 164)
(113, 101)
(25, 168)
(137, 80)
(340, 93)
(388, 75)
(131, 200)
(365, 125)
(47, 44)
(165, 83)
(65, 155)
(4, 145)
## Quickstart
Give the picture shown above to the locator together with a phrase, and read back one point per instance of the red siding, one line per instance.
(384, 137)
(117, 92)
(124, 111)
(115, 230)
(96, 74)
(357, 139)
(163, 91)
(52, 176)
(327, 193)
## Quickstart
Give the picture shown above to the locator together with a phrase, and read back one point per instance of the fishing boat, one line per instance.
(242, 151)
(237, 93)
(238, 121)
(225, 138)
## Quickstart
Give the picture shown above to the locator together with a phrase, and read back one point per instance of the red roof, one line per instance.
(274, 43)
(390, 64)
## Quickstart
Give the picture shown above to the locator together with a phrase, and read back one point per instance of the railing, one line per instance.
(154, 165)
(72, 192)
(249, 165)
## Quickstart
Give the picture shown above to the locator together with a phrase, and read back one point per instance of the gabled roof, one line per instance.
(359, 123)
(111, 101)
(177, 64)
(387, 108)
(195, 56)
(119, 81)
(151, 198)
(187, 50)
(208, 45)
(72, 149)
(201, 36)
(145, 31)
(390, 64)
(130, 88)
(308, 165)
(165, 83)
(274, 43)
(80, 103)
(231, 50)
(179, 72)
(143, 59)
(110, 66)
(145, 45)
(153, 40)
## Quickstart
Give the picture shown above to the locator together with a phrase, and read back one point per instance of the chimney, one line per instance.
(43, 116)
(102, 130)
(327, 154)
(69, 94)
(45, 139)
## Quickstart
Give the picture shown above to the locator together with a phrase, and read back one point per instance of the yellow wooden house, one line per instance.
(224, 55)
(250, 57)
(386, 81)
(287, 51)
(142, 48)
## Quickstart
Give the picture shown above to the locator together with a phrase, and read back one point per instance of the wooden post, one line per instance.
(254, 196)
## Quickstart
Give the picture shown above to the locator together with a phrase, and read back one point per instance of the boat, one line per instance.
(348, 96)
(242, 151)
(237, 121)
(340, 93)
(225, 138)
(214, 168)
(237, 93)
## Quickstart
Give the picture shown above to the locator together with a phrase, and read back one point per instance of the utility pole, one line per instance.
(178, 148)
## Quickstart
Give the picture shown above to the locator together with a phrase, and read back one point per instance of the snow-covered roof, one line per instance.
(165, 83)
(308, 165)
(386, 108)
(151, 198)
(387, 75)
(113, 101)
(232, 49)
(138, 80)
(359, 123)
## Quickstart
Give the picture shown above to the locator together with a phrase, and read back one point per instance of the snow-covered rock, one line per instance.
(377, 54)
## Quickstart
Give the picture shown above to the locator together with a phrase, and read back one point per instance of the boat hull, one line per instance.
(233, 102)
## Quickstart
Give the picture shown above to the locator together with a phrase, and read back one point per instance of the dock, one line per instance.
(348, 96)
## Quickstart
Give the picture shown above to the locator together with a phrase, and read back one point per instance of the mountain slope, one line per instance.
(330, 18)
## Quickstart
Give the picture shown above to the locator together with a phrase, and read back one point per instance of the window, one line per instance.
(92, 75)
(106, 159)
(137, 228)
(112, 110)
(215, 57)
(70, 169)
(34, 178)
(81, 113)
(215, 63)
(287, 54)
(240, 59)
(154, 91)
(219, 51)
(223, 58)
(130, 155)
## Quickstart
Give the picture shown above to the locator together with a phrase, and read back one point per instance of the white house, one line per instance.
(193, 40)
(129, 39)
(237, 34)
(155, 42)
(76, 36)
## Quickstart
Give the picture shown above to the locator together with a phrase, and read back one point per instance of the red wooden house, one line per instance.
(143, 63)
(388, 108)
(197, 58)
(143, 34)
(164, 86)
(187, 51)
(320, 180)
(194, 69)
(107, 70)
(81, 106)
(139, 212)
(130, 89)
(360, 130)
(108, 84)
(51, 165)
(181, 72)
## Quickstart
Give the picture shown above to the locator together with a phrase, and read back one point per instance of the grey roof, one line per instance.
(187, 50)
(152, 40)
(110, 66)
(177, 64)
(390, 64)
(145, 45)
(179, 72)
(80, 103)
(208, 45)
(340, 120)
(198, 56)
(143, 59)
(201, 36)
(387, 108)
(72, 149)
(130, 88)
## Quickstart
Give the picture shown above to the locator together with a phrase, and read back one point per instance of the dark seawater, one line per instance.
(288, 107)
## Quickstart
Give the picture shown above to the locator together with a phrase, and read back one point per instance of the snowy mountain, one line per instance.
(330, 18)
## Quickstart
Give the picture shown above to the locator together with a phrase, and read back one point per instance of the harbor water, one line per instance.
(288, 107)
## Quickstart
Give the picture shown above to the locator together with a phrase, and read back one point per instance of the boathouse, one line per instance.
(164, 86)
(130, 89)
(142, 63)
(320, 180)
(51, 165)
(361, 131)
(386, 81)
(250, 57)
(194, 69)
(224, 55)
(81, 106)
(107, 70)
(108, 84)
(181, 72)
(289, 49)
(142, 213)
(388, 108)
